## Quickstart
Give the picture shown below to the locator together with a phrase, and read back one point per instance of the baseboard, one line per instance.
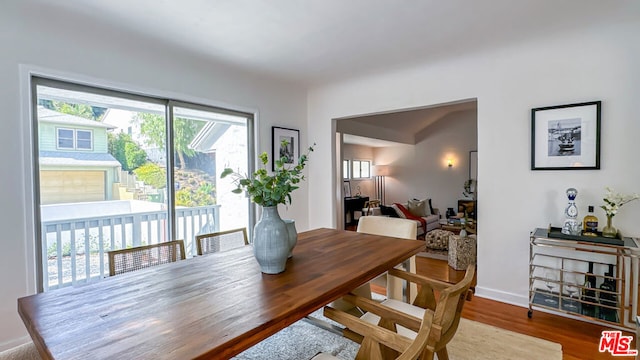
(502, 296)
(13, 343)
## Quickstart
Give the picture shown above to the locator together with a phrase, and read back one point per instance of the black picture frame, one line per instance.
(291, 152)
(566, 137)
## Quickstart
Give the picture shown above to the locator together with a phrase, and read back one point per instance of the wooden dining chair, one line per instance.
(140, 257)
(221, 241)
(386, 226)
(25, 351)
(397, 330)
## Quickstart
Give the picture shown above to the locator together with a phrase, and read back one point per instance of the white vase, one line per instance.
(271, 241)
(293, 234)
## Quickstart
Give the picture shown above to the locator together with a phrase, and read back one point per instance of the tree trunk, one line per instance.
(181, 157)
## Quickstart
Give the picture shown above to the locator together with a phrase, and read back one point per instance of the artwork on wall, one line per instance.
(566, 137)
(290, 151)
(346, 188)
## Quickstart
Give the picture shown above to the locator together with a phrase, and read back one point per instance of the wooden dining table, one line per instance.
(207, 307)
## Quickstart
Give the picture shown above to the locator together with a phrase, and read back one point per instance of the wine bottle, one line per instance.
(589, 293)
(609, 298)
(590, 223)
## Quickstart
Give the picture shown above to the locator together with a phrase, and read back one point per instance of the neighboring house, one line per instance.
(75, 165)
(224, 134)
(123, 122)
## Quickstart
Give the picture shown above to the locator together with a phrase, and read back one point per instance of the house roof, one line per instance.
(69, 158)
(51, 116)
(205, 140)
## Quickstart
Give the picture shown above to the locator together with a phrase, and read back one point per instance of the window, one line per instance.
(345, 169)
(361, 169)
(83, 140)
(69, 139)
(65, 139)
(145, 170)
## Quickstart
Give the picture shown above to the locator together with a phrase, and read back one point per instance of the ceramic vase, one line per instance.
(271, 241)
(293, 234)
(609, 231)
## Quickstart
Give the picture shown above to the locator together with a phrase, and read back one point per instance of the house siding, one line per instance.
(47, 137)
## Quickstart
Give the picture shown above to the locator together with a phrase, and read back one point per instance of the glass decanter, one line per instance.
(571, 224)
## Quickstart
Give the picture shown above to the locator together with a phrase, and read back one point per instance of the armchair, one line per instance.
(393, 329)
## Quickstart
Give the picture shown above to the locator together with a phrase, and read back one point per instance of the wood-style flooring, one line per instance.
(579, 339)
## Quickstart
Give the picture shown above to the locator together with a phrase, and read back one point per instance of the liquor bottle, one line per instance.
(590, 224)
(589, 306)
(609, 298)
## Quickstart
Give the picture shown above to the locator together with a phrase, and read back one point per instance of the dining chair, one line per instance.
(140, 257)
(396, 330)
(25, 351)
(221, 241)
(386, 226)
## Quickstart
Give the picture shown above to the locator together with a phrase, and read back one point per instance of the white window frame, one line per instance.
(78, 139)
(358, 174)
(74, 139)
(346, 169)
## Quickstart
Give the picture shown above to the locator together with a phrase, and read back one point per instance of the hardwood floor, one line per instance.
(579, 339)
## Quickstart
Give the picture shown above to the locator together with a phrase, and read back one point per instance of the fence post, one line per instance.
(136, 231)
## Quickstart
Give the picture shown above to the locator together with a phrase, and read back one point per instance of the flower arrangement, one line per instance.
(270, 190)
(613, 201)
(470, 186)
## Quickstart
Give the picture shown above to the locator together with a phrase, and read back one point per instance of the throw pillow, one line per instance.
(398, 211)
(418, 207)
(388, 211)
(431, 208)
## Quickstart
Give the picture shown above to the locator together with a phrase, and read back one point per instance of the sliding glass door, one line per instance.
(117, 170)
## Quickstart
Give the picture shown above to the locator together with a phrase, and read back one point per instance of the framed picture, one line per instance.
(346, 188)
(289, 150)
(566, 137)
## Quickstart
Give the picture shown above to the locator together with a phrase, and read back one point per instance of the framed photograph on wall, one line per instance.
(566, 137)
(346, 188)
(290, 151)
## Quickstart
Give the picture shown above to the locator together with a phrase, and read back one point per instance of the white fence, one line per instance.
(74, 250)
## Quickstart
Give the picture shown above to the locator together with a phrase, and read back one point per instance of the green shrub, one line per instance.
(152, 174)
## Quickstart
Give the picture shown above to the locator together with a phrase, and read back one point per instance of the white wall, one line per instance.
(420, 171)
(592, 64)
(69, 46)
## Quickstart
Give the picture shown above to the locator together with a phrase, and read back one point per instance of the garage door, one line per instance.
(58, 186)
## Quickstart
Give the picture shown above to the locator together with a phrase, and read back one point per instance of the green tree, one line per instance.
(126, 151)
(80, 110)
(153, 126)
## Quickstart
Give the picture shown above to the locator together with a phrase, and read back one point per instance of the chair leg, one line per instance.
(442, 354)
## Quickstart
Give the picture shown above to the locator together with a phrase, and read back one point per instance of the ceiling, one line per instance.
(378, 130)
(313, 42)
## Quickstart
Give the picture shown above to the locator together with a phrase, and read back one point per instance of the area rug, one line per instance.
(473, 341)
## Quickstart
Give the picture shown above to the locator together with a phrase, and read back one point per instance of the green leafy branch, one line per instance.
(274, 189)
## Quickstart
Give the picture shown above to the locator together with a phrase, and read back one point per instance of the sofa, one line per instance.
(432, 220)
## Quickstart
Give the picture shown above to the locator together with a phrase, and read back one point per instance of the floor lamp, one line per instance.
(379, 172)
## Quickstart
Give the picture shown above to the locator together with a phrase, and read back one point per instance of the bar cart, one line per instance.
(591, 278)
